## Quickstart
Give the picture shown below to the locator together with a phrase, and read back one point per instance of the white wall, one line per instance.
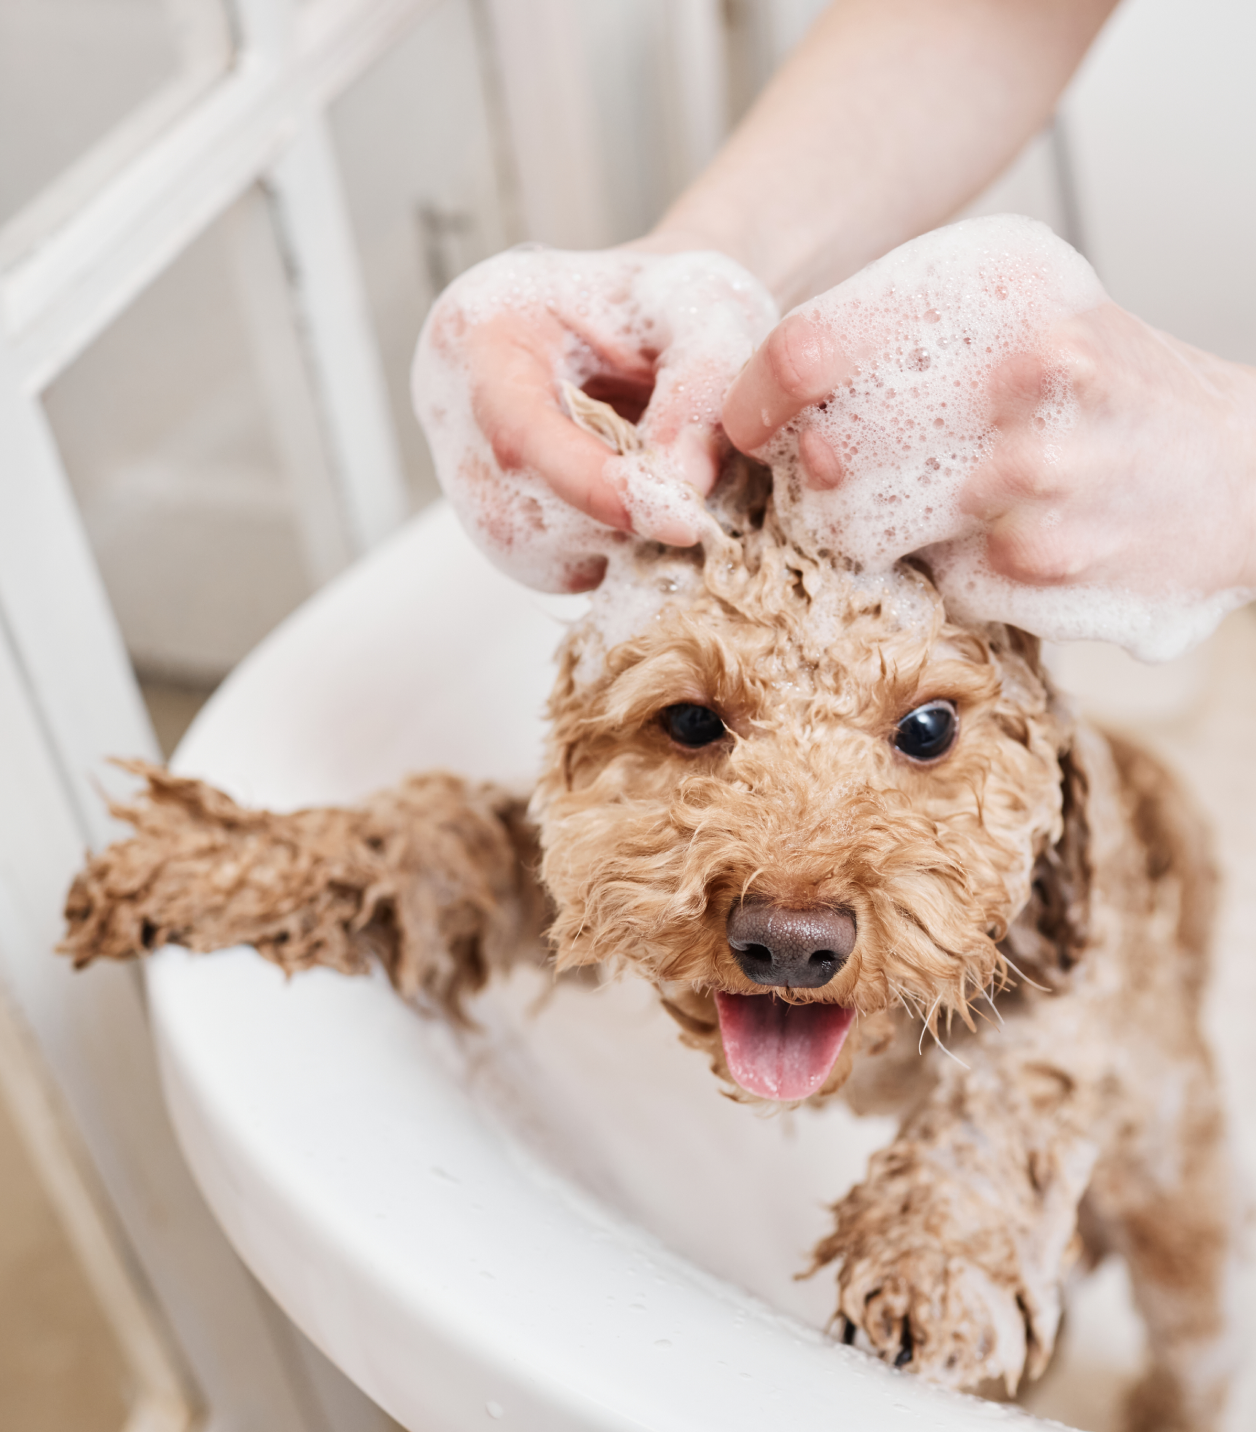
(1162, 120)
(70, 70)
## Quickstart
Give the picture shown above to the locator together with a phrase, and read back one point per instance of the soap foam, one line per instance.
(640, 585)
(926, 327)
(701, 312)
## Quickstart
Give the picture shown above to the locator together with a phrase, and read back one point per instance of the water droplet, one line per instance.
(494, 1409)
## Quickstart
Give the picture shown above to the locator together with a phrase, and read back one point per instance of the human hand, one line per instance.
(1153, 483)
(659, 336)
(1065, 467)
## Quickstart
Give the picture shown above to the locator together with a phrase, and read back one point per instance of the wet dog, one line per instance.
(834, 829)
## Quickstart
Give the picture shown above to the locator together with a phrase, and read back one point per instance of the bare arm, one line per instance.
(888, 118)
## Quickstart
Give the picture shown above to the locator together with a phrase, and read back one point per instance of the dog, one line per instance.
(860, 850)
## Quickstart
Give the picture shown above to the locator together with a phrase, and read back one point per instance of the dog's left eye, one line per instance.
(692, 725)
(927, 732)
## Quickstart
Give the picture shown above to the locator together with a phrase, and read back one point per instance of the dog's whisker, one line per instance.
(985, 1018)
(1026, 978)
(910, 1002)
(944, 1049)
(928, 1027)
(994, 1007)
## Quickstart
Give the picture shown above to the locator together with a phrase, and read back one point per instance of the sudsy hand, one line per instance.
(658, 336)
(1062, 465)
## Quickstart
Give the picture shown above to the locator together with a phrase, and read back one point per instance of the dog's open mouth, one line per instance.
(779, 1050)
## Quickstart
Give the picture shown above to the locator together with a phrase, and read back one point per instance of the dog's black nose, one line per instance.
(799, 948)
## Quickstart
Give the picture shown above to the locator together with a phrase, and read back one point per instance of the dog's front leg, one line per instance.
(435, 878)
(952, 1253)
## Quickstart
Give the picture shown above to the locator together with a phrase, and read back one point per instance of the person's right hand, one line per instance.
(976, 398)
(658, 336)
(1149, 485)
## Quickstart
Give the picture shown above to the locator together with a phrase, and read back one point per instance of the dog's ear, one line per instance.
(1060, 903)
(1028, 647)
(1053, 929)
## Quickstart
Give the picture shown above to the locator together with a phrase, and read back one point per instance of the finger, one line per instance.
(823, 469)
(1016, 390)
(683, 418)
(1033, 547)
(697, 455)
(1022, 472)
(799, 364)
(516, 406)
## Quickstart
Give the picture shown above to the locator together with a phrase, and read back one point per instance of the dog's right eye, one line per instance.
(927, 732)
(692, 725)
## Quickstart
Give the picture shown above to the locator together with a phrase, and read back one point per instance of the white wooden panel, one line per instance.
(83, 85)
(340, 346)
(194, 462)
(629, 45)
(1163, 118)
(55, 300)
(67, 697)
(429, 204)
(699, 83)
(57, 203)
(251, 1367)
(54, 607)
(547, 91)
(291, 403)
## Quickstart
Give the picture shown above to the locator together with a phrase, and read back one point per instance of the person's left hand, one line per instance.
(1151, 485)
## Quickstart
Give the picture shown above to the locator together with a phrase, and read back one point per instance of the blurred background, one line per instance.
(221, 226)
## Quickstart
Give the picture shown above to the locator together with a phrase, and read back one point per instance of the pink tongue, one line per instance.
(778, 1050)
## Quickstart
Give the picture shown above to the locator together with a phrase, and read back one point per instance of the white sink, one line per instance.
(556, 1222)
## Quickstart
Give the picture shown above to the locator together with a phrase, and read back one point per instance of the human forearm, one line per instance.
(888, 118)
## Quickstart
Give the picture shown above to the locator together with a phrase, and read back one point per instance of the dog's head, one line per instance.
(792, 797)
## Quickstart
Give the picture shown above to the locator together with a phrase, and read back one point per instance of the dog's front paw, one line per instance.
(936, 1312)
